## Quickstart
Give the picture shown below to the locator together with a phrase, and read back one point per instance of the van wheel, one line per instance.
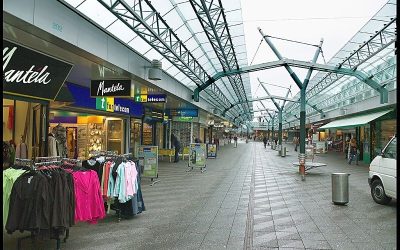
(378, 193)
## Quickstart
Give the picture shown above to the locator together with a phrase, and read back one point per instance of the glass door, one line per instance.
(115, 135)
(136, 126)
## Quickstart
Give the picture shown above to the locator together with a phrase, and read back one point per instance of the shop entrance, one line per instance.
(80, 135)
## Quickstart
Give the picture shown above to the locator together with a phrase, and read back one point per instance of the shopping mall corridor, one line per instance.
(249, 198)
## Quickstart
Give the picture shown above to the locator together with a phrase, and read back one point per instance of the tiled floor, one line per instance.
(249, 197)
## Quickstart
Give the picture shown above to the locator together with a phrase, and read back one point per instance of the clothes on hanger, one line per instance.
(9, 177)
(119, 183)
(89, 202)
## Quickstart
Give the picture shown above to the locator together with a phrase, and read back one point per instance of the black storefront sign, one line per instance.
(32, 74)
(110, 88)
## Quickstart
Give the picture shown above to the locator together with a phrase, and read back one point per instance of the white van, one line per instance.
(382, 174)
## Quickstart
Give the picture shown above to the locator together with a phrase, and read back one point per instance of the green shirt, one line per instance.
(9, 177)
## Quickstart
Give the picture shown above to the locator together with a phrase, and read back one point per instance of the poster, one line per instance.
(148, 159)
(211, 150)
(197, 155)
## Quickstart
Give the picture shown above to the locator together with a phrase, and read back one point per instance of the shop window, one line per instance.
(391, 150)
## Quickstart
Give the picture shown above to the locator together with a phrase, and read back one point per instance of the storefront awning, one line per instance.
(354, 121)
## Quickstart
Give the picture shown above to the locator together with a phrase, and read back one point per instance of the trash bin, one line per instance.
(283, 152)
(340, 188)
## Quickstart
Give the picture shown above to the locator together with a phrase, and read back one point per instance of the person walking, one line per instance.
(347, 145)
(235, 141)
(296, 143)
(177, 146)
(353, 151)
(265, 141)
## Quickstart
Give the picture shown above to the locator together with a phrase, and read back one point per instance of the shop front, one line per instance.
(89, 125)
(31, 80)
(185, 124)
(372, 131)
(153, 128)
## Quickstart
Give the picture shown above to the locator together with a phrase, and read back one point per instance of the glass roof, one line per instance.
(383, 17)
(181, 18)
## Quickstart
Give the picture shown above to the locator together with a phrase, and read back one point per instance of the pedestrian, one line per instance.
(235, 141)
(296, 143)
(216, 141)
(177, 146)
(265, 141)
(230, 139)
(353, 151)
(346, 150)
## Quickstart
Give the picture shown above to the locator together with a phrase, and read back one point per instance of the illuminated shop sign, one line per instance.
(151, 98)
(145, 94)
(108, 104)
(32, 74)
(110, 88)
(82, 99)
(184, 112)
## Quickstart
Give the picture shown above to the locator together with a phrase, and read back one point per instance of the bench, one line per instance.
(166, 152)
(185, 152)
(310, 165)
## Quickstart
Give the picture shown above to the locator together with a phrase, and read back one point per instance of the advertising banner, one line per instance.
(32, 74)
(110, 88)
(197, 155)
(148, 159)
(211, 150)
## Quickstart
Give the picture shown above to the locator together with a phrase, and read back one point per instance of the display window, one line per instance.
(147, 136)
(23, 123)
(80, 135)
(182, 131)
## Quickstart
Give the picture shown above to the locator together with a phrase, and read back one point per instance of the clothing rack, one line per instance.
(47, 159)
(23, 162)
(43, 161)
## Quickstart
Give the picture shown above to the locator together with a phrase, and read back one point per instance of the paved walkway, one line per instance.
(250, 198)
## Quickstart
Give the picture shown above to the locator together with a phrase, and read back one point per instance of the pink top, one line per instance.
(130, 179)
(89, 204)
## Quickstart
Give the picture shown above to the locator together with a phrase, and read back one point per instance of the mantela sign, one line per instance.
(114, 88)
(82, 99)
(32, 74)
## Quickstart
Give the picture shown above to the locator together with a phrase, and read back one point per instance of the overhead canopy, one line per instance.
(354, 121)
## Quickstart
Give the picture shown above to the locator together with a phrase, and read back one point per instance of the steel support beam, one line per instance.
(374, 45)
(280, 111)
(303, 87)
(287, 63)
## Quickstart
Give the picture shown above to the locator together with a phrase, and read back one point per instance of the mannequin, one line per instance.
(52, 149)
(60, 133)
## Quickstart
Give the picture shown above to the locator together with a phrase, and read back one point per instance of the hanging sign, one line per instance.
(32, 74)
(111, 88)
(184, 112)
